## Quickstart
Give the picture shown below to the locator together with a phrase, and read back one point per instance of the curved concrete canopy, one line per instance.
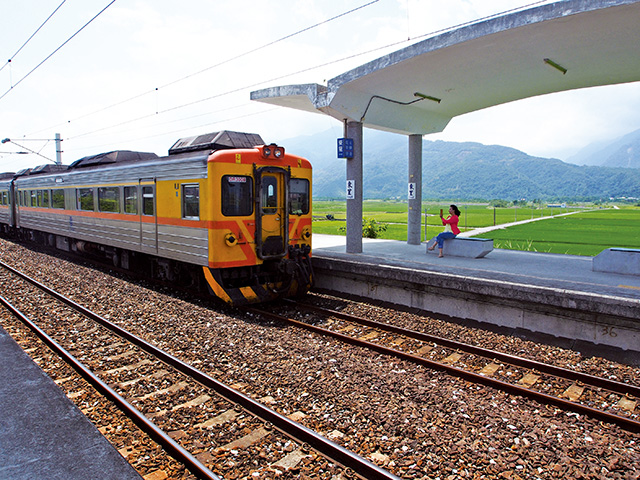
(489, 63)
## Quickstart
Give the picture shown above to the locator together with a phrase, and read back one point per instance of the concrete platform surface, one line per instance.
(43, 435)
(563, 272)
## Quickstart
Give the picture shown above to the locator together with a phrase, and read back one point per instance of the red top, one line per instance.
(453, 221)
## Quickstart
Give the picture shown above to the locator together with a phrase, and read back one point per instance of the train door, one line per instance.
(148, 216)
(272, 214)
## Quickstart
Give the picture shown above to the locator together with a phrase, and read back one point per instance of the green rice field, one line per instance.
(588, 231)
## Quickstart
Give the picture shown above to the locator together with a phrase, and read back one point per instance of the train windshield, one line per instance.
(237, 195)
(298, 196)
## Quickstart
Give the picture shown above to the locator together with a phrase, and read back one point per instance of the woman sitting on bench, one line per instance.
(450, 228)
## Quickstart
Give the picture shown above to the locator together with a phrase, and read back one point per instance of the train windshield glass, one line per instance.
(298, 196)
(237, 195)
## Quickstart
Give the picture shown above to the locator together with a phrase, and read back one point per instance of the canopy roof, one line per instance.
(556, 47)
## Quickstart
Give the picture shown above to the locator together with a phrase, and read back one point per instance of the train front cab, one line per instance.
(260, 236)
(7, 203)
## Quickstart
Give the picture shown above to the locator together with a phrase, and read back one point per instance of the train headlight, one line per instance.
(272, 151)
(306, 234)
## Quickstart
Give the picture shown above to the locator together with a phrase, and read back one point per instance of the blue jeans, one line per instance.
(444, 236)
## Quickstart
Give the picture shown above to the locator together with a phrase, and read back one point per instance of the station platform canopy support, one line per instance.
(417, 90)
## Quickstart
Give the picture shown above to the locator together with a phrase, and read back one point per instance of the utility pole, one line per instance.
(58, 150)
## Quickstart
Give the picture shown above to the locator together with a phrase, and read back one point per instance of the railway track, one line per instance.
(213, 429)
(600, 398)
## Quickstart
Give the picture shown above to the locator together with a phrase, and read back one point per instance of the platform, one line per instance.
(558, 295)
(42, 433)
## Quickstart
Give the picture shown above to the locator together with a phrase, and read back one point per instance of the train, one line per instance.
(223, 212)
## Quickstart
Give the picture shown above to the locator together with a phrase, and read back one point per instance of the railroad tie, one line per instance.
(573, 393)
(173, 388)
(529, 380)
(369, 336)
(126, 367)
(153, 376)
(490, 369)
(627, 404)
(424, 349)
(156, 475)
(244, 442)
(453, 358)
(290, 460)
(192, 403)
(224, 417)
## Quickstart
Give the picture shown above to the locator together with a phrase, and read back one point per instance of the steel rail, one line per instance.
(623, 422)
(291, 428)
(592, 380)
(170, 445)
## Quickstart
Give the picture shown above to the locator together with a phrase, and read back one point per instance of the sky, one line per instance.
(143, 73)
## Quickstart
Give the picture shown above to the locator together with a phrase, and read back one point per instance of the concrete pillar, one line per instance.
(414, 190)
(354, 189)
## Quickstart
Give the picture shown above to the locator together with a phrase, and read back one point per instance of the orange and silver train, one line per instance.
(222, 211)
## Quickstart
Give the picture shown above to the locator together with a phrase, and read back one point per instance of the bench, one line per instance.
(465, 247)
(617, 260)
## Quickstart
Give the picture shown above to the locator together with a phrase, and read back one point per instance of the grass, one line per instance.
(585, 233)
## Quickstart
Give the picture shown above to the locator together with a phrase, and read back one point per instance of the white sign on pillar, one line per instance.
(351, 189)
(411, 194)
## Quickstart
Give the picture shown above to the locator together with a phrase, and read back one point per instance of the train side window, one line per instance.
(191, 202)
(237, 196)
(299, 196)
(3, 199)
(147, 201)
(85, 199)
(57, 198)
(131, 200)
(45, 199)
(34, 198)
(109, 199)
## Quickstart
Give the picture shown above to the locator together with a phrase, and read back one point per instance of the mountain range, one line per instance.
(623, 152)
(473, 171)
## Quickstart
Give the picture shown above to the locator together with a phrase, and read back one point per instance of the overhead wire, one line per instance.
(193, 127)
(349, 57)
(224, 62)
(56, 50)
(32, 35)
(236, 90)
(253, 85)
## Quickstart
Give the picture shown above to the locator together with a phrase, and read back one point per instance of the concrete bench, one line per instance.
(617, 260)
(465, 247)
